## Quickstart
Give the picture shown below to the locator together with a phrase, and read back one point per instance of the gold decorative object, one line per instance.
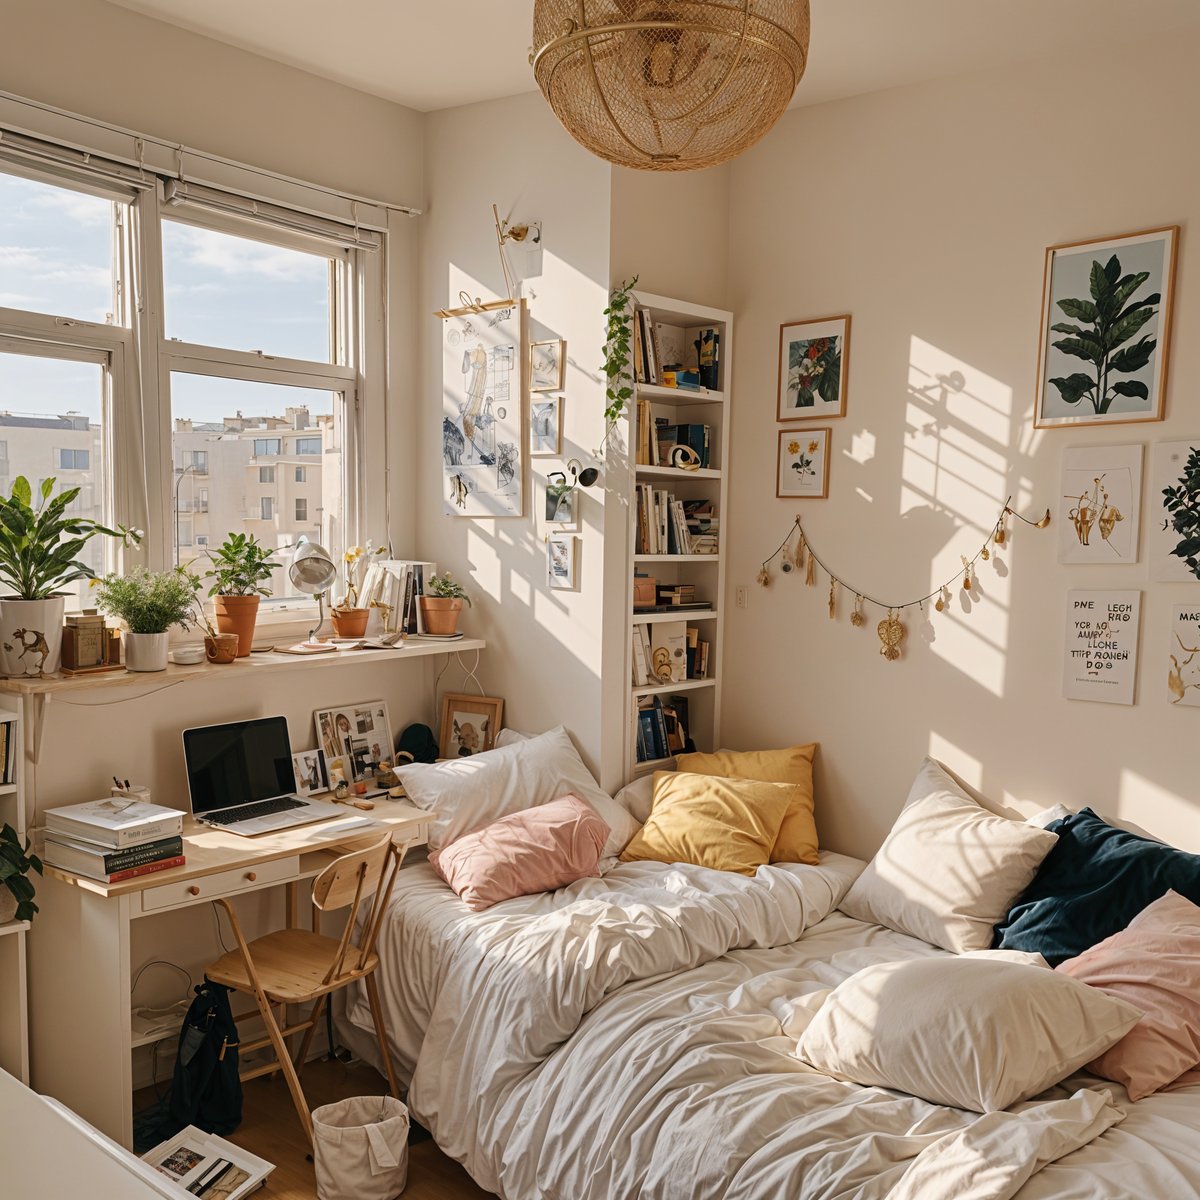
(985, 554)
(810, 576)
(669, 85)
(857, 619)
(891, 634)
(800, 551)
(764, 577)
(832, 598)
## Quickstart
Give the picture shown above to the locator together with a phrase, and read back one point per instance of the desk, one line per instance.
(79, 962)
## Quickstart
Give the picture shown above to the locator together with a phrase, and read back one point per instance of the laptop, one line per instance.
(240, 777)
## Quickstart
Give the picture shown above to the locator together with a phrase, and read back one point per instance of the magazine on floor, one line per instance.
(206, 1166)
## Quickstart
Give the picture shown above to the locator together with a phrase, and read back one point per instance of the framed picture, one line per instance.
(545, 427)
(560, 561)
(1100, 655)
(1174, 508)
(802, 470)
(547, 365)
(312, 775)
(355, 739)
(814, 357)
(1183, 655)
(469, 724)
(561, 499)
(483, 389)
(1106, 329)
(1099, 505)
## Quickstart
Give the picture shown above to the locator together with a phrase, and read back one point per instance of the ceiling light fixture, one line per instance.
(669, 85)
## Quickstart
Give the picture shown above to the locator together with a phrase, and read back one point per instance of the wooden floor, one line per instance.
(271, 1129)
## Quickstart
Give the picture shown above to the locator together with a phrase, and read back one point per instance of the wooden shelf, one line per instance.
(676, 472)
(654, 764)
(677, 558)
(658, 394)
(7, 789)
(664, 689)
(694, 614)
(13, 927)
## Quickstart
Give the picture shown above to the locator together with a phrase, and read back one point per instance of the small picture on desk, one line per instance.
(355, 739)
(312, 772)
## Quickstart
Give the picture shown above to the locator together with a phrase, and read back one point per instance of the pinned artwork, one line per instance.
(1174, 506)
(1100, 659)
(1099, 505)
(1183, 668)
(482, 412)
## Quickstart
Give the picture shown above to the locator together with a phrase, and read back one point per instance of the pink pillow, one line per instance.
(1154, 963)
(537, 850)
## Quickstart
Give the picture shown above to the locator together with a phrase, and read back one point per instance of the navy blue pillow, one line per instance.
(1090, 886)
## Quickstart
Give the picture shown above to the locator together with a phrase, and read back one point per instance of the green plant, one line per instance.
(241, 565)
(15, 864)
(446, 587)
(618, 339)
(1108, 320)
(1182, 503)
(40, 547)
(150, 601)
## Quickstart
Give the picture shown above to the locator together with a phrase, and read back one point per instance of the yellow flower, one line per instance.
(812, 447)
(793, 447)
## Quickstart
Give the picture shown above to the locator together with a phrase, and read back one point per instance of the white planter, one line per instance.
(31, 635)
(146, 651)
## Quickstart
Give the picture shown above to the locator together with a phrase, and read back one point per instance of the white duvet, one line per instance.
(633, 1035)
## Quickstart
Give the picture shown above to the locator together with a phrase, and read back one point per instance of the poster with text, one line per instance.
(1183, 667)
(1098, 505)
(1100, 661)
(1173, 504)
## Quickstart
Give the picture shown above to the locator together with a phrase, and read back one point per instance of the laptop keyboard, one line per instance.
(245, 812)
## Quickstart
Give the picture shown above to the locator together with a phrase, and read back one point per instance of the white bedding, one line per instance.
(633, 1036)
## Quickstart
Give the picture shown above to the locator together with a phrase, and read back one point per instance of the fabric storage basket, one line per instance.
(360, 1148)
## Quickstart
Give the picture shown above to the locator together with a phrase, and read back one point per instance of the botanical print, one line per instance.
(1098, 505)
(812, 368)
(547, 364)
(560, 561)
(1183, 671)
(803, 463)
(544, 428)
(1175, 511)
(482, 413)
(1106, 319)
(1100, 660)
(470, 733)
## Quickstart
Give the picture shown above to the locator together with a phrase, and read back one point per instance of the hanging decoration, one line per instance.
(891, 629)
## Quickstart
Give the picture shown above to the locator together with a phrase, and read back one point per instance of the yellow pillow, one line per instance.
(726, 824)
(797, 841)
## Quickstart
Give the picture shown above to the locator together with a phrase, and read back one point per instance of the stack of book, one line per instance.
(657, 437)
(8, 751)
(394, 587)
(668, 652)
(112, 840)
(674, 355)
(666, 525)
(662, 728)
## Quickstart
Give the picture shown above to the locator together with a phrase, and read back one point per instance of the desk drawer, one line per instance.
(223, 883)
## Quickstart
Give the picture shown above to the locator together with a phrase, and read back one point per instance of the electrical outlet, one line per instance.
(742, 595)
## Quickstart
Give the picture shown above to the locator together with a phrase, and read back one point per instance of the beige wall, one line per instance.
(924, 212)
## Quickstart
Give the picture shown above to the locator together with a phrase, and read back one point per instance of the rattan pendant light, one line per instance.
(669, 85)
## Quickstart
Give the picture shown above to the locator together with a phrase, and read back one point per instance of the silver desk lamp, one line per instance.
(313, 572)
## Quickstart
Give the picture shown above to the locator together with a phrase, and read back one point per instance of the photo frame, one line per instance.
(545, 427)
(1173, 505)
(561, 561)
(1093, 370)
(355, 739)
(311, 771)
(802, 464)
(562, 499)
(469, 724)
(814, 361)
(547, 365)
(1099, 505)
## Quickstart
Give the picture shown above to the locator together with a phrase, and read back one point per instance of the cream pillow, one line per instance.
(725, 824)
(949, 870)
(978, 1033)
(797, 840)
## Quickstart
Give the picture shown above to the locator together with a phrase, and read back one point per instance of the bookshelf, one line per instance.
(14, 1001)
(665, 558)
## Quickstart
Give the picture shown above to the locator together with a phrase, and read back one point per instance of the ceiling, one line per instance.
(442, 53)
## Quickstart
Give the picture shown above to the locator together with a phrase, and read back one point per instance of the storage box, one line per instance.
(645, 591)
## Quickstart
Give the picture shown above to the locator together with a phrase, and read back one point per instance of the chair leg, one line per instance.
(377, 1017)
(318, 1009)
(285, 1065)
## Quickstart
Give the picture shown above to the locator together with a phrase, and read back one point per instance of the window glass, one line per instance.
(244, 294)
(73, 460)
(301, 509)
(227, 417)
(301, 475)
(56, 250)
(266, 474)
(308, 445)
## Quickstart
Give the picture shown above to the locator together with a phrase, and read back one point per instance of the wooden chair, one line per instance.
(299, 966)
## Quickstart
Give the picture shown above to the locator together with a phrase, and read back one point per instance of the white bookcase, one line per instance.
(705, 571)
(14, 994)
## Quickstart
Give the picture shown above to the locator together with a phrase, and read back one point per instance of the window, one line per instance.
(301, 474)
(202, 539)
(301, 509)
(4, 451)
(268, 507)
(73, 460)
(266, 474)
(308, 445)
(265, 446)
(199, 461)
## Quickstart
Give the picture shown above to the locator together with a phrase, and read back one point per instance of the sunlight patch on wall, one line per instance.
(862, 447)
(966, 766)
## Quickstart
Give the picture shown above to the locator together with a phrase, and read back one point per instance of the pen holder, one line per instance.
(135, 791)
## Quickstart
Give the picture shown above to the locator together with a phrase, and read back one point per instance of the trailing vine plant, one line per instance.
(1182, 503)
(618, 342)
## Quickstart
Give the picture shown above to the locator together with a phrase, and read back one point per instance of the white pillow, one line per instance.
(1056, 812)
(977, 1033)
(510, 737)
(637, 798)
(949, 869)
(467, 793)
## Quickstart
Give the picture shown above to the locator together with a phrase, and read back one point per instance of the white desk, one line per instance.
(79, 960)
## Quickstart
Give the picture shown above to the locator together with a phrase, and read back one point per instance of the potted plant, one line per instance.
(241, 565)
(150, 603)
(441, 604)
(39, 555)
(349, 618)
(16, 897)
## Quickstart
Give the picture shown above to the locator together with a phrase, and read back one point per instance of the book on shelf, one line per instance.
(207, 1166)
(667, 525)
(8, 755)
(115, 822)
(668, 651)
(663, 728)
(641, 660)
(694, 435)
(86, 858)
(392, 589)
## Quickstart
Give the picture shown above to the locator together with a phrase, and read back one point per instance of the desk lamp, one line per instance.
(312, 571)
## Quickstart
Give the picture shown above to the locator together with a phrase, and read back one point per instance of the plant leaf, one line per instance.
(1081, 310)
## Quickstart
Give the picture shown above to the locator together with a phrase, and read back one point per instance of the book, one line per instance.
(208, 1166)
(116, 822)
(89, 859)
(641, 666)
(668, 651)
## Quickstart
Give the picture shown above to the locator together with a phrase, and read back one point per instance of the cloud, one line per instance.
(241, 257)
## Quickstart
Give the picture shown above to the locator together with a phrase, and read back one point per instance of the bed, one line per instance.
(633, 1035)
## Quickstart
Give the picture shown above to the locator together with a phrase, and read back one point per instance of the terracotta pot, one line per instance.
(146, 651)
(31, 635)
(237, 614)
(221, 649)
(441, 613)
(350, 622)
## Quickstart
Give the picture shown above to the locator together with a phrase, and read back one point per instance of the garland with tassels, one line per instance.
(801, 556)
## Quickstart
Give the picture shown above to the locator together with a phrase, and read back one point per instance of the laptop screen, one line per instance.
(238, 763)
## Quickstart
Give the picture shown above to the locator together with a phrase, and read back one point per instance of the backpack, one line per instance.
(417, 744)
(207, 1090)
